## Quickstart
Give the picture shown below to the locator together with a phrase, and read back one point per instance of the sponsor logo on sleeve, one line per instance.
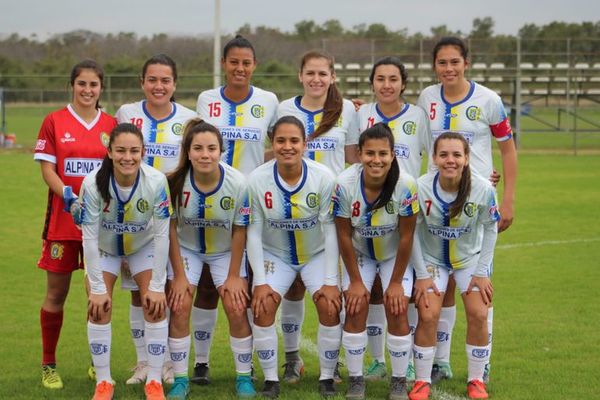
(40, 145)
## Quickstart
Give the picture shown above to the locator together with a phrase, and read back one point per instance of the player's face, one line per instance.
(387, 84)
(288, 145)
(450, 65)
(239, 65)
(205, 153)
(316, 77)
(450, 158)
(86, 89)
(158, 84)
(376, 156)
(126, 153)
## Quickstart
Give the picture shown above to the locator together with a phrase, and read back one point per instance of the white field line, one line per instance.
(547, 243)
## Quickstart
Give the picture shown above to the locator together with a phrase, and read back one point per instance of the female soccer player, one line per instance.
(71, 143)
(243, 114)
(476, 112)
(212, 208)
(161, 121)
(332, 134)
(375, 208)
(458, 230)
(292, 233)
(410, 128)
(125, 215)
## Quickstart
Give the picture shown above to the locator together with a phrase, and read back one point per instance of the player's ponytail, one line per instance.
(161, 59)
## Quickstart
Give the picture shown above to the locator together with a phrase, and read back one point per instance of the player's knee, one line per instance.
(428, 316)
(477, 317)
(56, 296)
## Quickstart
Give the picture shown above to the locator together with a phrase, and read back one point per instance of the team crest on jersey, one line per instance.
(470, 208)
(142, 205)
(257, 111)
(56, 251)
(177, 128)
(226, 203)
(104, 138)
(409, 127)
(473, 113)
(389, 208)
(312, 200)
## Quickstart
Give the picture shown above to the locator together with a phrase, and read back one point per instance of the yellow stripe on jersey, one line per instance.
(299, 235)
(161, 137)
(453, 253)
(128, 238)
(209, 233)
(378, 219)
(239, 144)
(454, 121)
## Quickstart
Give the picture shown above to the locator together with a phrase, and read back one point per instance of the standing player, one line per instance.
(332, 134)
(458, 231)
(212, 213)
(410, 128)
(476, 112)
(292, 233)
(71, 143)
(375, 209)
(161, 121)
(125, 213)
(243, 113)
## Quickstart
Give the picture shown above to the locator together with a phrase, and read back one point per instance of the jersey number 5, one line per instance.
(432, 111)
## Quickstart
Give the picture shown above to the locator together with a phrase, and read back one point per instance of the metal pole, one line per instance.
(217, 46)
(2, 108)
(518, 96)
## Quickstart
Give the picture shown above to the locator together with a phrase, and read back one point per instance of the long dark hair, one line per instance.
(334, 102)
(161, 59)
(177, 177)
(88, 64)
(106, 169)
(240, 42)
(451, 41)
(464, 188)
(391, 60)
(288, 119)
(382, 131)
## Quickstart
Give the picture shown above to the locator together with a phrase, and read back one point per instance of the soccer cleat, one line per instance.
(410, 372)
(439, 371)
(51, 378)
(420, 391)
(376, 371)
(293, 370)
(356, 388)
(200, 376)
(476, 390)
(270, 390)
(168, 375)
(327, 388)
(337, 376)
(244, 387)
(180, 389)
(154, 391)
(486, 373)
(398, 388)
(104, 391)
(92, 373)
(140, 372)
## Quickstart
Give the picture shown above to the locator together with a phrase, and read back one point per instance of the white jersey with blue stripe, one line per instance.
(244, 125)
(375, 233)
(327, 148)
(454, 243)
(292, 219)
(205, 220)
(410, 128)
(125, 225)
(162, 138)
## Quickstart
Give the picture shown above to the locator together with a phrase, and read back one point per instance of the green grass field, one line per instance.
(546, 273)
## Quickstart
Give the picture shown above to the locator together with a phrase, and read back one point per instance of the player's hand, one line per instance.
(260, 299)
(495, 177)
(422, 287)
(332, 295)
(236, 288)
(178, 290)
(394, 298)
(155, 303)
(357, 103)
(357, 297)
(71, 204)
(506, 217)
(98, 305)
(485, 288)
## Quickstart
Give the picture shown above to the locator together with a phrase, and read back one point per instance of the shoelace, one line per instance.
(103, 387)
(51, 375)
(373, 367)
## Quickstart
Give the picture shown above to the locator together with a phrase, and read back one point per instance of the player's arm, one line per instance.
(51, 177)
(508, 153)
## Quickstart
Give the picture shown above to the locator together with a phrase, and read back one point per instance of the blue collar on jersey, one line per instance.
(115, 189)
(250, 92)
(215, 190)
(298, 103)
(436, 179)
(168, 117)
(386, 119)
(280, 186)
(467, 97)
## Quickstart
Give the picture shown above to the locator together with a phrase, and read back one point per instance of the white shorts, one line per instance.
(128, 266)
(368, 268)
(462, 277)
(280, 275)
(218, 263)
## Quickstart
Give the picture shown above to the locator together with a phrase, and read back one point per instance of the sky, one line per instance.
(195, 17)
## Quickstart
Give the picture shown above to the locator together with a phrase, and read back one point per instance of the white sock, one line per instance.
(477, 358)
(355, 345)
(413, 318)
(292, 315)
(399, 348)
(156, 337)
(423, 362)
(180, 350)
(329, 339)
(203, 324)
(376, 331)
(490, 325)
(250, 317)
(99, 339)
(265, 343)
(136, 323)
(242, 353)
(444, 333)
